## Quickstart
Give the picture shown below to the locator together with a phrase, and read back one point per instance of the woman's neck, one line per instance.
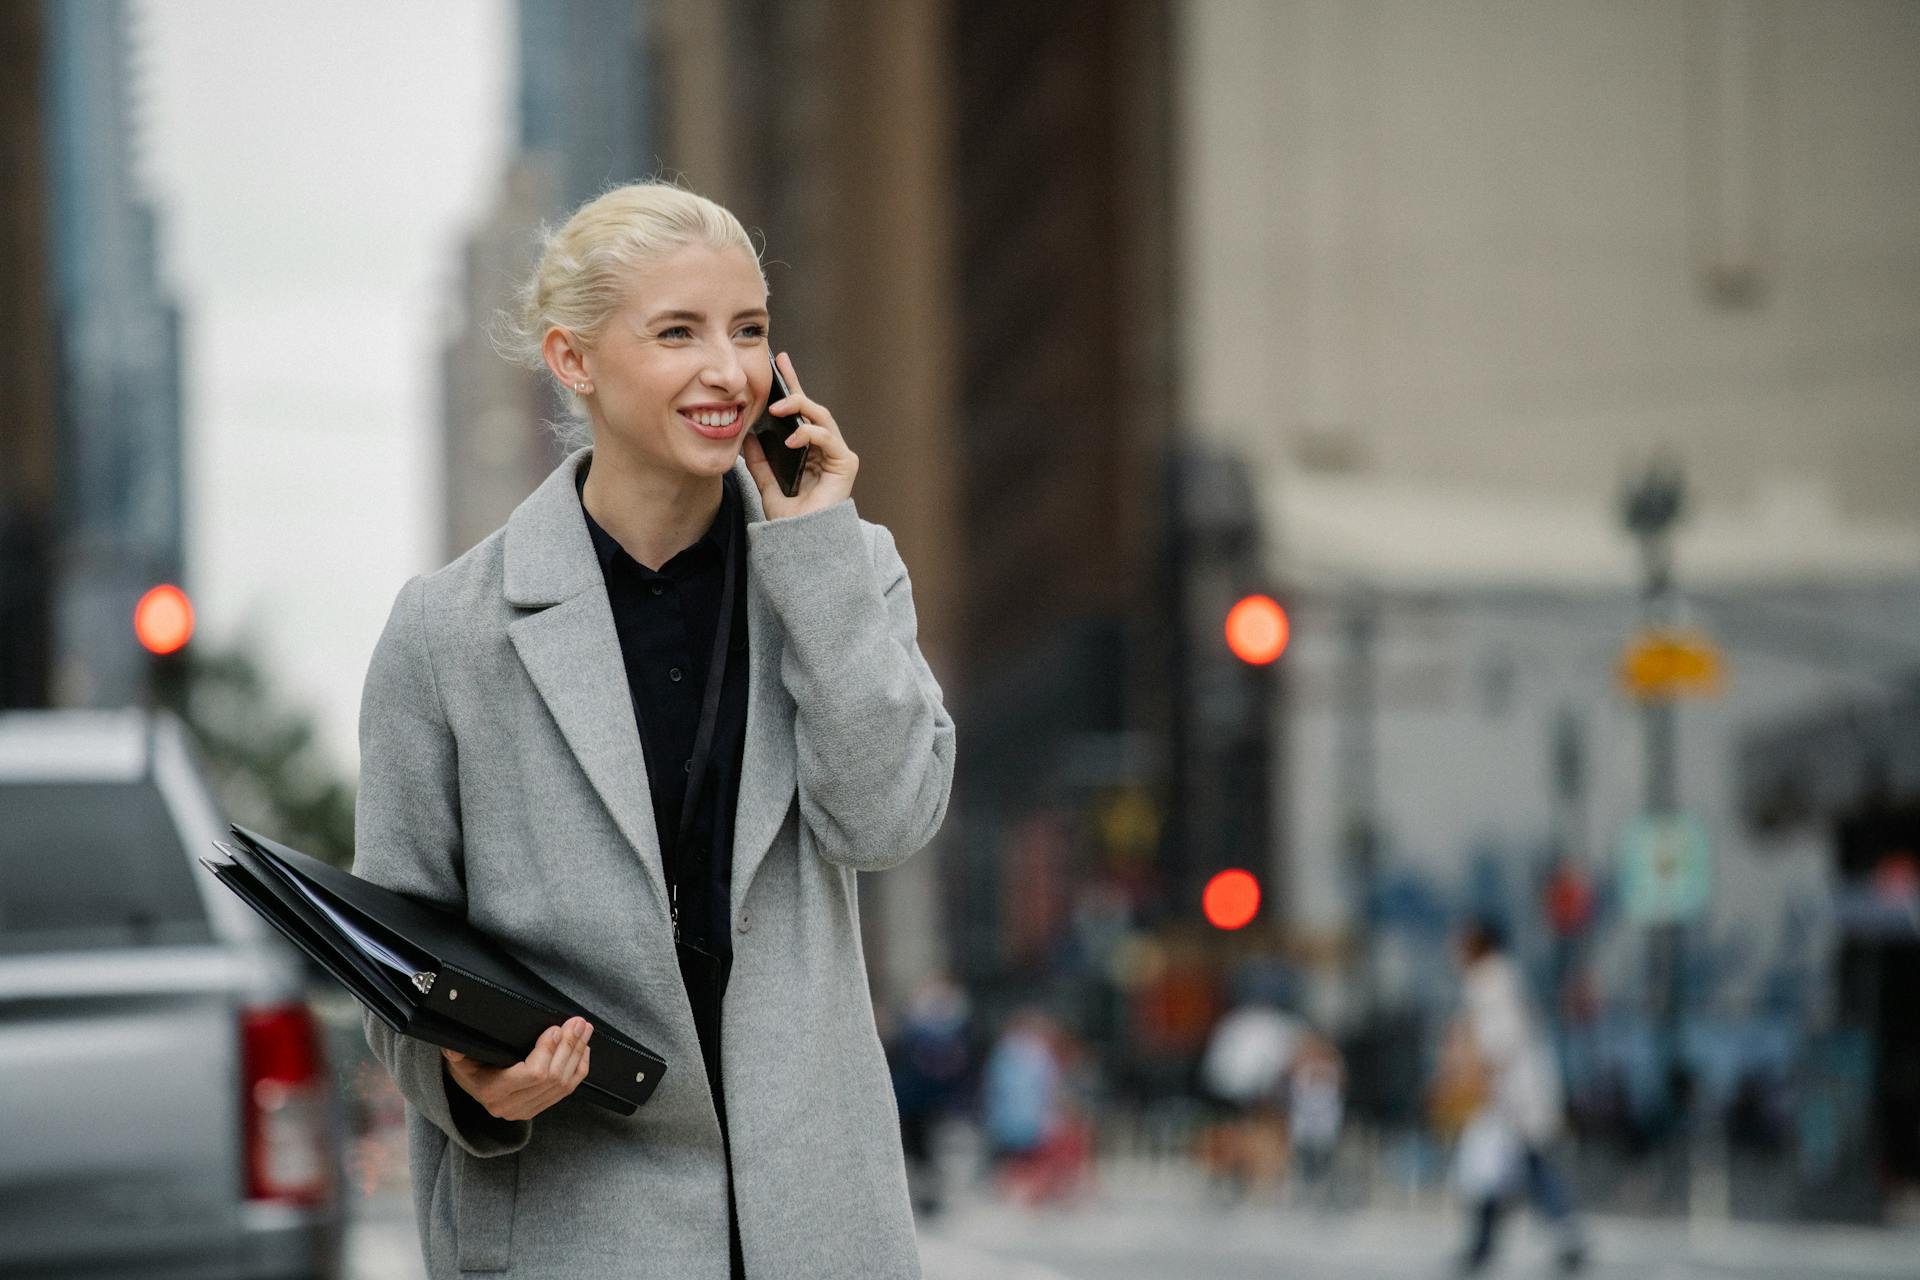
(654, 515)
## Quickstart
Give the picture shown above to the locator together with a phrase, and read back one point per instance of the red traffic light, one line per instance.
(1231, 899)
(1257, 630)
(163, 620)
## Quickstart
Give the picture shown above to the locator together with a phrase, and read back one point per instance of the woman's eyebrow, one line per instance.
(699, 316)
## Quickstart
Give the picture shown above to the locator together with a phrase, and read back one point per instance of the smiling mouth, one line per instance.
(715, 424)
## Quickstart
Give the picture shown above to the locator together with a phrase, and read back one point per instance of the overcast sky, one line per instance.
(315, 167)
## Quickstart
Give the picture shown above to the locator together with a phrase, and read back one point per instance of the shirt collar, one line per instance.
(607, 549)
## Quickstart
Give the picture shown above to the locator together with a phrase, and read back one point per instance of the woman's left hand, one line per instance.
(831, 466)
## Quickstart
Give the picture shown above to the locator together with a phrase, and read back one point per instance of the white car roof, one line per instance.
(76, 746)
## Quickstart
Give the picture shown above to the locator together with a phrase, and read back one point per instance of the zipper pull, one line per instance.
(676, 913)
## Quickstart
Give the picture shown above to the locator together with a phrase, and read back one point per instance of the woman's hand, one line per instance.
(828, 475)
(522, 1091)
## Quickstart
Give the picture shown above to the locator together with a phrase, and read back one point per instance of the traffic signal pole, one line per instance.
(1359, 790)
(1653, 506)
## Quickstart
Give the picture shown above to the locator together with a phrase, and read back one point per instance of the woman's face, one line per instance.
(682, 369)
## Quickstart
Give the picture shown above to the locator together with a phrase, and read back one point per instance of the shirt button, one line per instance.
(746, 920)
(657, 588)
(674, 675)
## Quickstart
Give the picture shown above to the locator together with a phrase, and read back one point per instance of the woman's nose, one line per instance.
(725, 371)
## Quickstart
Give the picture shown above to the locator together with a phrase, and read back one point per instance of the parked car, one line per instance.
(165, 1106)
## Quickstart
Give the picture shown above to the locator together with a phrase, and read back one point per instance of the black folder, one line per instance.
(424, 971)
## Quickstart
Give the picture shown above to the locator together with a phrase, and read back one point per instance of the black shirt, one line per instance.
(665, 622)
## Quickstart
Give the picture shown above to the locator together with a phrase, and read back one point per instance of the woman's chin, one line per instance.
(710, 458)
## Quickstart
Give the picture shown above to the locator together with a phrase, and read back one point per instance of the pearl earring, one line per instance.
(581, 387)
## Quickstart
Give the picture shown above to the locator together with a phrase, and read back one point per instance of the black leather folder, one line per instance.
(424, 971)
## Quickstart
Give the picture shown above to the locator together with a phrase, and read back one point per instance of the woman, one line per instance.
(1512, 1128)
(658, 799)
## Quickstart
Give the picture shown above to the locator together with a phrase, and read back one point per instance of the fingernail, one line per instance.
(587, 1034)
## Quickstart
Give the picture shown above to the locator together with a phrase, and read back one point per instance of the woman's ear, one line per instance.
(565, 359)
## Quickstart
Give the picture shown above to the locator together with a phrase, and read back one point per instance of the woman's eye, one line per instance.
(753, 332)
(676, 332)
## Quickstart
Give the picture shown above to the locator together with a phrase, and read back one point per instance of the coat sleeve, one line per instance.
(407, 838)
(873, 741)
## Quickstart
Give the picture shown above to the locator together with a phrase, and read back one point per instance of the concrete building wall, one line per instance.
(1525, 243)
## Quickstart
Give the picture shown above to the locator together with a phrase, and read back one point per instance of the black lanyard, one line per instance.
(697, 764)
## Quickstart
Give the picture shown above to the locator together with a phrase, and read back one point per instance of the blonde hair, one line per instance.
(581, 276)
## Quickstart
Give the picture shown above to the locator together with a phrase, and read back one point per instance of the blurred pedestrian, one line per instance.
(1517, 1110)
(645, 736)
(1244, 1072)
(1316, 1110)
(1038, 1142)
(930, 1057)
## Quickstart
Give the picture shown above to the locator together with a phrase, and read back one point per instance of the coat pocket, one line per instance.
(483, 1196)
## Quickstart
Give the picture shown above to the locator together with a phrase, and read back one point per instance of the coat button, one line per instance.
(746, 920)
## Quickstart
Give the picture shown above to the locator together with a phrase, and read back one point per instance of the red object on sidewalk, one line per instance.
(1056, 1170)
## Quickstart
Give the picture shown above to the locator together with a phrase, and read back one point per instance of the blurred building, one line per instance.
(495, 448)
(1449, 274)
(120, 499)
(27, 364)
(1844, 774)
(968, 253)
(1527, 246)
(835, 144)
(585, 124)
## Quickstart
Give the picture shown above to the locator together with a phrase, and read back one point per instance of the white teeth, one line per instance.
(711, 418)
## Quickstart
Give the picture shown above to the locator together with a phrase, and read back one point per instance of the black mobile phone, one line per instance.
(772, 432)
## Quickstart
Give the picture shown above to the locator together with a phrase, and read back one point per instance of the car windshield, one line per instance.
(86, 865)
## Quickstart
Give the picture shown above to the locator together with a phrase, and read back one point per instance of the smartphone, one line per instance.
(787, 462)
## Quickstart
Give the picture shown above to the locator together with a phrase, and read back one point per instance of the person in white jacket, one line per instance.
(1522, 1113)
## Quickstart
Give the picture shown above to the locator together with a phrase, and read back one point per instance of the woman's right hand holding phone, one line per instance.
(554, 1069)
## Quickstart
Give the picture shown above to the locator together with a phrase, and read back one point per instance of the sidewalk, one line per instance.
(1156, 1222)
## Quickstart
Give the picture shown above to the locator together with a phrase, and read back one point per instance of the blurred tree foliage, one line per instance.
(262, 756)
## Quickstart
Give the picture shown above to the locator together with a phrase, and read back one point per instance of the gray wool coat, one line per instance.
(501, 775)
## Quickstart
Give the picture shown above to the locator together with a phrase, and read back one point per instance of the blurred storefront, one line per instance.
(1847, 773)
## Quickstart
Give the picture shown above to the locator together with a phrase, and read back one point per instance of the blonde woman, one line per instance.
(646, 735)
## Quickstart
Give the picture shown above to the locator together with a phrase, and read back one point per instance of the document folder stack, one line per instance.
(423, 971)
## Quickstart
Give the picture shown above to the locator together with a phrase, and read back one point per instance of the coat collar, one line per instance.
(549, 554)
(571, 652)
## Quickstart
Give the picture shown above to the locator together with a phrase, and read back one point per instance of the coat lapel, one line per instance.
(572, 654)
(767, 762)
